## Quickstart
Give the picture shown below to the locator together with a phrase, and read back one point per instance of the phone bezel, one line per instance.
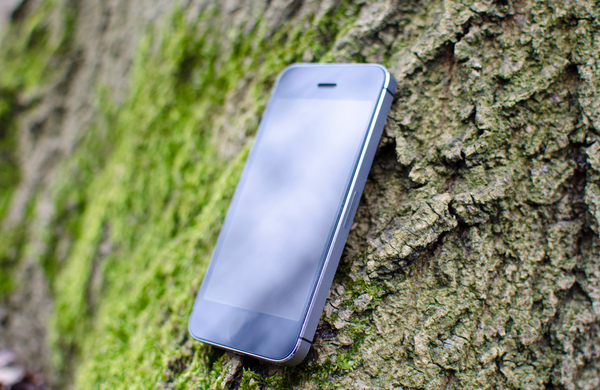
(295, 336)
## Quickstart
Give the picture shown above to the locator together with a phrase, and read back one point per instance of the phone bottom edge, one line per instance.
(294, 358)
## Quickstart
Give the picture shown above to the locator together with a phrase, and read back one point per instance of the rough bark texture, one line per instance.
(474, 259)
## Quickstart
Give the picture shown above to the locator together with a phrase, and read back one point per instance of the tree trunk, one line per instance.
(474, 258)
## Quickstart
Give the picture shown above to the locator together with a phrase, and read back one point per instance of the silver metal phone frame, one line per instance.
(359, 178)
(357, 184)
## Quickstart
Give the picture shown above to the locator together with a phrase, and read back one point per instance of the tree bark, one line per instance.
(474, 257)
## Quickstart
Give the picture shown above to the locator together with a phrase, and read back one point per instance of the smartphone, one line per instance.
(287, 224)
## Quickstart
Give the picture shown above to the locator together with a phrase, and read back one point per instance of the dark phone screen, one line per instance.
(280, 222)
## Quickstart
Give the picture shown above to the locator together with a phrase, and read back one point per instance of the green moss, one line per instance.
(11, 244)
(32, 54)
(34, 48)
(9, 173)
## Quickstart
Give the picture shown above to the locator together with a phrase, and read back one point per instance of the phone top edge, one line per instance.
(389, 82)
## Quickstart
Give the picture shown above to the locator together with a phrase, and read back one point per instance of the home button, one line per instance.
(239, 327)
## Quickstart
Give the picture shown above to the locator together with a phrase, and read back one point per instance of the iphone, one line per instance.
(283, 236)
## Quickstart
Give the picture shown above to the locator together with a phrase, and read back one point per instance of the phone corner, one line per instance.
(390, 81)
(190, 328)
(292, 67)
(286, 70)
(297, 65)
(297, 355)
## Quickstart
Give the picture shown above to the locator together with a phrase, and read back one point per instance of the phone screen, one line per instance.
(282, 217)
